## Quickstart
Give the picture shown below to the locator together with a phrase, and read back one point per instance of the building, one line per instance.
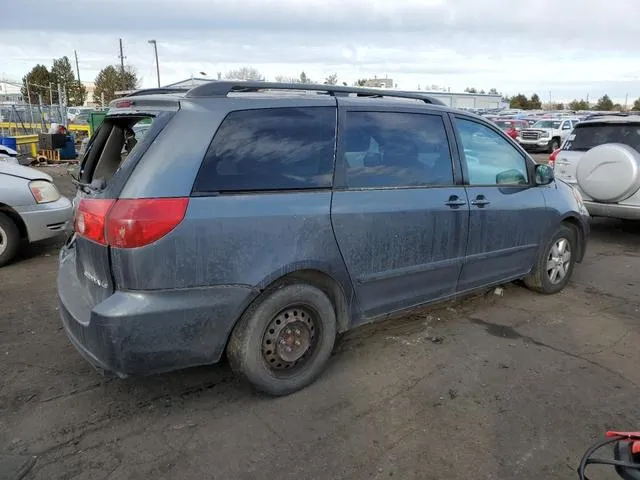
(90, 87)
(376, 82)
(485, 101)
(10, 92)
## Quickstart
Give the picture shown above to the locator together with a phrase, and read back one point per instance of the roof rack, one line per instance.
(155, 91)
(217, 88)
(610, 114)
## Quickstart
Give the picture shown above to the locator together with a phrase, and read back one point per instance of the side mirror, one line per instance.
(544, 174)
(510, 177)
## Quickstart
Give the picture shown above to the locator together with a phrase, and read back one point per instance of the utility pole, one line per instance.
(50, 95)
(61, 106)
(29, 100)
(122, 57)
(79, 93)
(155, 49)
(77, 66)
(626, 100)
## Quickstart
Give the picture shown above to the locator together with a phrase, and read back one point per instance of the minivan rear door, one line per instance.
(399, 213)
(85, 278)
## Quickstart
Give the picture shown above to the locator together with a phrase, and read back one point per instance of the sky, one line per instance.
(560, 49)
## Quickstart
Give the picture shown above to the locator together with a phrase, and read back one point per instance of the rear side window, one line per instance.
(390, 149)
(587, 136)
(271, 149)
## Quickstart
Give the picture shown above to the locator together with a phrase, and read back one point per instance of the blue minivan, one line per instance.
(261, 219)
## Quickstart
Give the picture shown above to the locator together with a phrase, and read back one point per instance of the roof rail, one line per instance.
(220, 88)
(156, 91)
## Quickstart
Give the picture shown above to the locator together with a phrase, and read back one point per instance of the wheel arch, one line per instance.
(16, 218)
(575, 224)
(318, 278)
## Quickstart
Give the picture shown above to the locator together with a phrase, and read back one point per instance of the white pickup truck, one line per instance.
(546, 135)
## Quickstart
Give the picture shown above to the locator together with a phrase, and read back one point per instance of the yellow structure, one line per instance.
(28, 140)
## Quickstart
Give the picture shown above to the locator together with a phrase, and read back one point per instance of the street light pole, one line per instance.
(155, 49)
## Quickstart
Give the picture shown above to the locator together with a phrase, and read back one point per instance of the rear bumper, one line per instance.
(613, 210)
(46, 220)
(147, 332)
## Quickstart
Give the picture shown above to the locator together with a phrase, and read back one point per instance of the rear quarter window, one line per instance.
(271, 149)
(587, 136)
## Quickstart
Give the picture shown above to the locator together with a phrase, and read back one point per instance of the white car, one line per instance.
(546, 135)
(601, 158)
(31, 209)
(8, 155)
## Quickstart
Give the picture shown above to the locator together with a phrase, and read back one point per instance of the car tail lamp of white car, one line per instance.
(44, 191)
(552, 158)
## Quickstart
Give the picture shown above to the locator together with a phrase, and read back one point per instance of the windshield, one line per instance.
(547, 124)
(585, 137)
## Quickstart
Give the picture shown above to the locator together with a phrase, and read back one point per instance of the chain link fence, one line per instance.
(25, 119)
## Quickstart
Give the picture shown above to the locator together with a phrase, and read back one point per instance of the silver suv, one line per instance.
(601, 158)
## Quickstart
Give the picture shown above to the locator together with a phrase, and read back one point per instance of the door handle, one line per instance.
(455, 201)
(480, 201)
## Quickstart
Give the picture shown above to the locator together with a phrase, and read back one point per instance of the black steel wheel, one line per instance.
(283, 341)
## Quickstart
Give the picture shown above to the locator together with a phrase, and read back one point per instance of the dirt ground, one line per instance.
(493, 387)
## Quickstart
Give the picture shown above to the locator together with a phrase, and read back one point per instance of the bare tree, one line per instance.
(304, 78)
(244, 73)
(286, 79)
(331, 79)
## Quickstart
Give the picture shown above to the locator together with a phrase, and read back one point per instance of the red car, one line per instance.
(511, 126)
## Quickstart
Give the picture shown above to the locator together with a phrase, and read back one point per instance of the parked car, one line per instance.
(276, 226)
(8, 155)
(511, 126)
(600, 158)
(546, 135)
(74, 112)
(31, 209)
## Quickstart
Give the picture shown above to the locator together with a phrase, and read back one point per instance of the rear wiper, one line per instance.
(86, 187)
(94, 186)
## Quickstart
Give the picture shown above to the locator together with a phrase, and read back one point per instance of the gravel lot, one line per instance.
(506, 387)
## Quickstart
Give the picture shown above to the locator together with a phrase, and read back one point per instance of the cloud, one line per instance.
(569, 46)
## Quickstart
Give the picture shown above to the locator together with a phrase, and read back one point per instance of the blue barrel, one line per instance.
(9, 142)
(69, 150)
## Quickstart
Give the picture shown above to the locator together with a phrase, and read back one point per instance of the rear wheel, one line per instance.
(554, 266)
(282, 342)
(9, 239)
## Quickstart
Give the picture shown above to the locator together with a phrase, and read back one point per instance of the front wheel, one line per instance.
(554, 266)
(9, 239)
(283, 342)
(554, 145)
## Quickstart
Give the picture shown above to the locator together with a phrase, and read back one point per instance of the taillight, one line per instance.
(552, 157)
(129, 223)
(137, 222)
(91, 219)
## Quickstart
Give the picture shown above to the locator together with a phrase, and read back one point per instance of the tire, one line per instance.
(554, 145)
(541, 278)
(9, 239)
(263, 347)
